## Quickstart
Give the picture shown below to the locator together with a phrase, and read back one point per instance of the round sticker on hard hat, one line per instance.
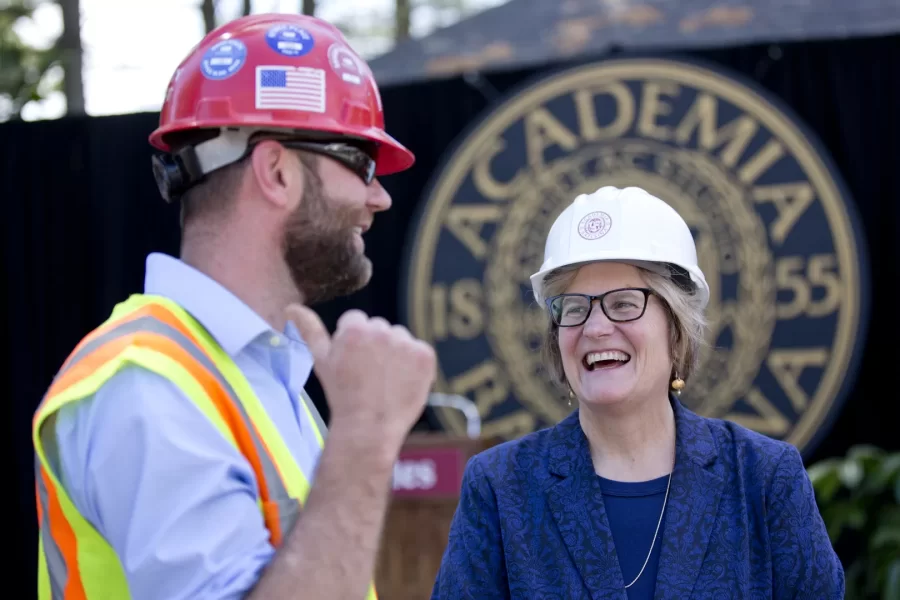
(344, 63)
(223, 59)
(594, 225)
(289, 40)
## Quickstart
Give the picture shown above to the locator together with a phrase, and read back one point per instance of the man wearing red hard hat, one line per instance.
(177, 453)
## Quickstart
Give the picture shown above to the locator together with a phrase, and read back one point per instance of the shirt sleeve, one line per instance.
(173, 497)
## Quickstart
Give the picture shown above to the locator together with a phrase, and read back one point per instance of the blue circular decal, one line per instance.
(290, 40)
(224, 59)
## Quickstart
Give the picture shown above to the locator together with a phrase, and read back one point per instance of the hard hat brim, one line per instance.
(656, 266)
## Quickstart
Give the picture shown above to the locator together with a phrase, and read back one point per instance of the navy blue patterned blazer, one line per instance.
(741, 522)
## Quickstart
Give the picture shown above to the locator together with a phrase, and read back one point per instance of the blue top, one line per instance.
(633, 511)
(741, 522)
(143, 465)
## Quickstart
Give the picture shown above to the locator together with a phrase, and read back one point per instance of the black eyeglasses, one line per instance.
(353, 157)
(619, 306)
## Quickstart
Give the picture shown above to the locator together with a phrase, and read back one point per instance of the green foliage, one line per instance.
(22, 68)
(859, 497)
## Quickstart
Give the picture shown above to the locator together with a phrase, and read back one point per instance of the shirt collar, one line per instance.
(231, 322)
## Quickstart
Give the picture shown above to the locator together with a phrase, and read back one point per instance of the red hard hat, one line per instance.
(279, 72)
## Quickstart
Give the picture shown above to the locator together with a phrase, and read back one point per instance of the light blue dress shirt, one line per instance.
(174, 498)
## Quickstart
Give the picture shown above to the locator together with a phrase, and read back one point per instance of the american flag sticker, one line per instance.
(290, 88)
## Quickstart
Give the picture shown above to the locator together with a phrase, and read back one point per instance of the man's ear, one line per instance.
(277, 173)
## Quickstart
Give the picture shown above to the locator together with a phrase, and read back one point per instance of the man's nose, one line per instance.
(378, 199)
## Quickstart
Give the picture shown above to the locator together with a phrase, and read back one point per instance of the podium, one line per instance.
(427, 478)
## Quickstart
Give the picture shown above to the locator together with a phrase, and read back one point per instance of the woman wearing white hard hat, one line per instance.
(633, 495)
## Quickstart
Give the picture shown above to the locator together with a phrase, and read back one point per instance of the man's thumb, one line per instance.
(311, 329)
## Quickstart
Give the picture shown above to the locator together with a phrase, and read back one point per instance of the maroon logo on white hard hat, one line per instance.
(594, 225)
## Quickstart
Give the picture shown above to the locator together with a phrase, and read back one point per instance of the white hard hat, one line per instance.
(623, 225)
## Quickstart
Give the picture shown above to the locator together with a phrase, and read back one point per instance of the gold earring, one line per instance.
(677, 384)
(571, 395)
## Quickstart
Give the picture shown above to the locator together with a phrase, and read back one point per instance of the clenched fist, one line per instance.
(372, 373)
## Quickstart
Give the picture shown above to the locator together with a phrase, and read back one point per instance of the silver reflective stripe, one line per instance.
(315, 413)
(288, 512)
(116, 332)
(56, 564)
(288, 507)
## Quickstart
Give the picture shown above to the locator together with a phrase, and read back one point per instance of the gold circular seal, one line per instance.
(777, 237)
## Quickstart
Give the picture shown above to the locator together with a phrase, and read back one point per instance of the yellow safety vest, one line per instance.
(75, 562)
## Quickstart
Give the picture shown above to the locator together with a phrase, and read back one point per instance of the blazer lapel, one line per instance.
(692, 507)
(576, 502)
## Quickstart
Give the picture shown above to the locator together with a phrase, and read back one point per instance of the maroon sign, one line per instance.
(428, 472)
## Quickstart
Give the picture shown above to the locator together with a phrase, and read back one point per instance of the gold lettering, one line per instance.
(510, 426)
(439, 327)
(787, 366)
(687, 180)
(466, 221)
(653, 106)
(703, 117)
(614, 161)
(761, 161)
(791, 201)
(484, 179)
(587, 112)
(457, 313)
(821, 272)
(488, 383)
(768, 420)
(788, 278)
(543, 130)
(795, 274)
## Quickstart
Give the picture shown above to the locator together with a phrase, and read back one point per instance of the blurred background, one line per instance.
(802, 253)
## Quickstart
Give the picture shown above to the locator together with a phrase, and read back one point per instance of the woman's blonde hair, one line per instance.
(686, 318)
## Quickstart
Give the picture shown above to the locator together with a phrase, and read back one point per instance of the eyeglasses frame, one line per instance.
(336, 149)
(600, 297)
(345, 153)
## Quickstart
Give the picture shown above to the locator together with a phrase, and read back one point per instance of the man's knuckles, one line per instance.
(370, 336)
(376, 340)
(419, 359)
(424, 352)
(401, 332)
(379, 323)
(351, 319)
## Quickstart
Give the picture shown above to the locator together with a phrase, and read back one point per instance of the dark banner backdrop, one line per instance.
(82, 212)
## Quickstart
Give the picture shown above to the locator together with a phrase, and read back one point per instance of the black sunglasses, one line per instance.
(619, 306)
(353, 157)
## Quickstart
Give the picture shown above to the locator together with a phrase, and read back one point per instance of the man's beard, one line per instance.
(320, 249)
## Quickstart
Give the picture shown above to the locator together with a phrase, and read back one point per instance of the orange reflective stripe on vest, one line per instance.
(61, 550)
